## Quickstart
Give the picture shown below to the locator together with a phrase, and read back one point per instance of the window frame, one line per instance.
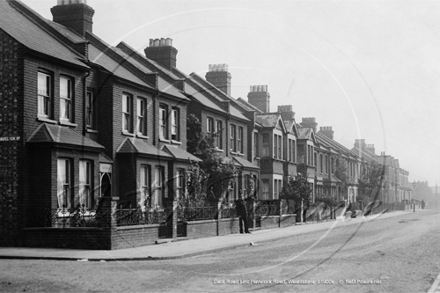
(44, 107)
(145, 184)
(127, 113)
(141, 116)
(174, 124)
(240, 137)
(90, 119)
(159, 186)
(219, 134)
(88, 185)
(67, 99)
(163, 122)
(233, 138)
(65, 201)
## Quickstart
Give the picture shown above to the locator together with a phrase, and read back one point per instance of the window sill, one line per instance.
(176, 142)
(89, 130)
(127, 133)
(68, 123)
(164, 140)
(140, 135)
(47, 120)
(219, 150)
(237, 154)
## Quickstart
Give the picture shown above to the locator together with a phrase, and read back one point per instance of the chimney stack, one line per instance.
(219, 76)
(370, 148)
(309, 122)
(162, 52)
(286, 112)
(360, 144)
(74, 14)
(259, 97)
(327, 131)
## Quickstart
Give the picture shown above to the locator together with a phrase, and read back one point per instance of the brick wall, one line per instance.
(11, 152)
(73, 238)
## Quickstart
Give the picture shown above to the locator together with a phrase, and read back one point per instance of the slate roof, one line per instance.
(245, 163)
(180, 154)
(102, 59)
(268, 120)
(133, 145)
(32, 36)
(48, 133)
(322, 138)
(217, 94)
(202, 99)
(162, 84)
(248, 106)
(304, 133)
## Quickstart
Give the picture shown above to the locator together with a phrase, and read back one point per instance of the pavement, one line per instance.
(190, 247)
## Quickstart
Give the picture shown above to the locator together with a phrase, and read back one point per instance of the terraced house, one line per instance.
(89, 131)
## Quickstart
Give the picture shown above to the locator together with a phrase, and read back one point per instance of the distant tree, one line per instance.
(341, 173)
(297, 188)
(371, 180)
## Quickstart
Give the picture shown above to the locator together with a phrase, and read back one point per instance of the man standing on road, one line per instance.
(241, 212)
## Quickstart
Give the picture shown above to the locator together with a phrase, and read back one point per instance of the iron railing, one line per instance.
(136, 216)
(267, 208)
(197, 213)
(80, 217)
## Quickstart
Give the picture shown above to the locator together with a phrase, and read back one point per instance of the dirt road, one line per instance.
(391, 255)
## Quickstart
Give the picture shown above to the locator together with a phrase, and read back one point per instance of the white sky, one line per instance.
(369, 69)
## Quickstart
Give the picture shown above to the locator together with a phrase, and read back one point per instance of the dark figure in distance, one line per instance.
(241, 212)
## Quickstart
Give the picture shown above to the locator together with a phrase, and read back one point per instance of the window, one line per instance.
(127, 113)
(66, 98)
(291, 151)
(240, 140)
(141, 111)
(321, 163)
(265, 145)
(256, 143)
(44, 95)
(158, 186)
(210, 125)
(85, 184)
(219, 134)
(64, 182)
(180, 183)
(90, 111)
(144, 180)
(163, 122)
(175, 124)
(233, 139)
(277, 146)
(315, 160)
(265, 189)
(276, 188)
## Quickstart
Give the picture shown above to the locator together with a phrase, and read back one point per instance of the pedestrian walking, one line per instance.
(241, 212)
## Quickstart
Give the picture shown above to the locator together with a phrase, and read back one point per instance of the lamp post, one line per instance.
(413, 201)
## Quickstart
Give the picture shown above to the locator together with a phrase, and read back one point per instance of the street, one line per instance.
(398, 254)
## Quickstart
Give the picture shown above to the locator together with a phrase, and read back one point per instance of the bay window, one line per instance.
(145, 179)
(85, 184)
(159, 187)
(64, 184)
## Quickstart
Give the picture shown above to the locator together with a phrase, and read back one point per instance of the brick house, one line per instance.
(81, 119)
(222, 116)
(330, 154)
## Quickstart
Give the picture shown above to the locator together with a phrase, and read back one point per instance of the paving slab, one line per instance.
(186, 248)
